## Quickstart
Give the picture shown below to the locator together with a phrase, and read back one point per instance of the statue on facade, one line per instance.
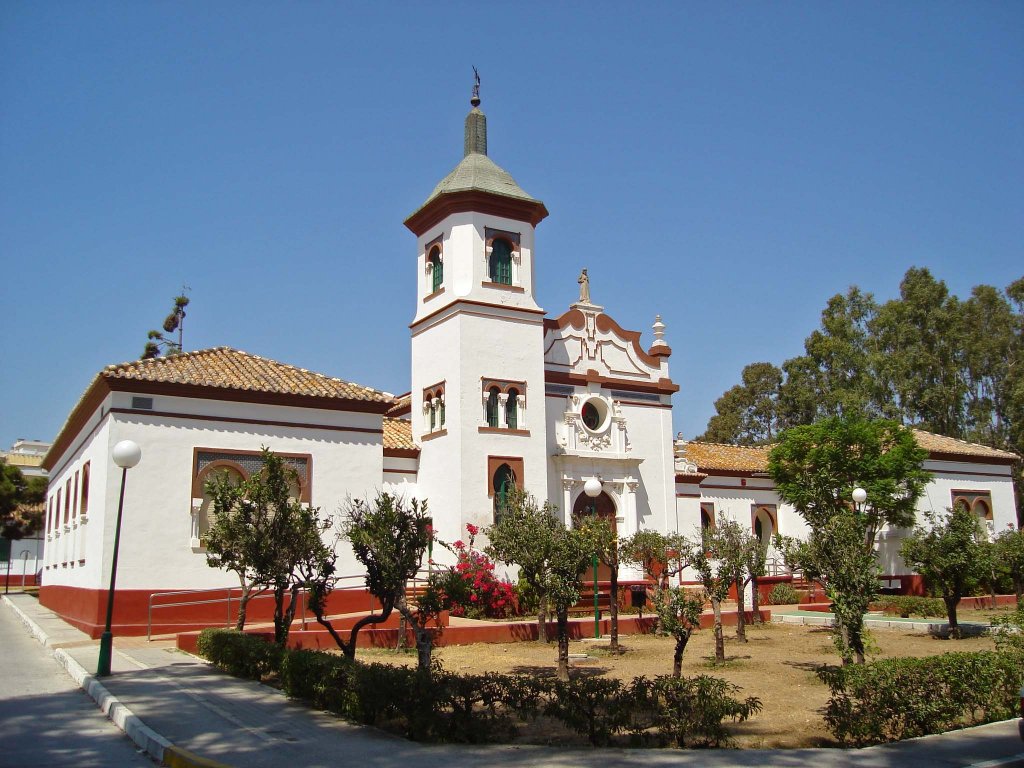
(584, 282)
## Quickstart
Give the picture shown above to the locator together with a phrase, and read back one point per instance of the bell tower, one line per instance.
(478, 411)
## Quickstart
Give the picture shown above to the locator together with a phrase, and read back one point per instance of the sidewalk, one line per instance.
(180, 708)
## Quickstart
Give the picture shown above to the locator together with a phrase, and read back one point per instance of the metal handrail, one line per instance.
(227, 591)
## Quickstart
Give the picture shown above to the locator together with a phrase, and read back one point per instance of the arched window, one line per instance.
(440, 408)
(202, 519)
(501, 262)
(436, 269)
(503, 481)
(492, 407)
(512, 409)
(433, 416)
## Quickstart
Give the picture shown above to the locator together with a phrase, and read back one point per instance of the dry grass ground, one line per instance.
(777, 665)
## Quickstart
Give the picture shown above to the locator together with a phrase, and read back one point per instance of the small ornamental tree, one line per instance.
(949, 554)
(525, 536)
(260, 533)
(733, 546)
(603, 537)
(660, 556)
(570, 553)
(815, 468)
(389, 539)
(756, 556)
(679, 617)
(712, 559)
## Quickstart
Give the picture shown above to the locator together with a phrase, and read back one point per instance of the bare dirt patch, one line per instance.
(777, 665)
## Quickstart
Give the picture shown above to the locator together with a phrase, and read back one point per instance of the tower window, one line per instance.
(492, 407)
(501, 262)
(436, 269)
(502, 483)
(433, 407)
(512, 409)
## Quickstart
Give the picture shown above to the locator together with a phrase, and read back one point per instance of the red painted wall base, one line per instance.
(86, 609)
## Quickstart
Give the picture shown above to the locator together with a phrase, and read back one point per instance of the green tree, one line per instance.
(679, 617)
(603, 538)
(261, 534)
(918, 342)
(551, 558)
(815, 468)
(175, 321)
(16, 493)
(747, 414)
(714, 560)
(389, 537)
(524, 536)
(1009, 548)
(948, 553)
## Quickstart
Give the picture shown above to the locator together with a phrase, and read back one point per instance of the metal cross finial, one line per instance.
(475, 101)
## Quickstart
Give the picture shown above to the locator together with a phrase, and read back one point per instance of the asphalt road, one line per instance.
(45, 718)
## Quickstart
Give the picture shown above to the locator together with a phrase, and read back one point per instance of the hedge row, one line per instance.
(910, 605)
(444, 706)
(901, 698)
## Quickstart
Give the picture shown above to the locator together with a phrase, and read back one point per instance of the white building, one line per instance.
(500, 395)
(20, 560)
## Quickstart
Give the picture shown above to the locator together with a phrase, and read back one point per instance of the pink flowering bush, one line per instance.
(472, 590)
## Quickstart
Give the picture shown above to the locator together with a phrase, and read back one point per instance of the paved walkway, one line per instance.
(170, 698)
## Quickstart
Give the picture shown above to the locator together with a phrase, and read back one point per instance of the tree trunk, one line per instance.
(1018, 588)
(716, 604)
(563, 644)
(424, 647)
(613, 606)
(243, 604)
(755, 602)
(677, 659)
(951, 603)
(741, 619)
(542, 623)
(992, 590)
(284, 615)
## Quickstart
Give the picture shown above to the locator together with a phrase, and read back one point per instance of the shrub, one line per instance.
(902, 698)
(476, 592)
(594, 706)
(1008, 631)
(909, 605)
(322, 679)
(689, 711)
(240, 654)
(783, 594)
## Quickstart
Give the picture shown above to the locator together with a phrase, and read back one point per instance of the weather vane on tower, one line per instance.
(475, 101)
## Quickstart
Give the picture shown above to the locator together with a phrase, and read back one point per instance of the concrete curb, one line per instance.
(144, 737)
(826, 620)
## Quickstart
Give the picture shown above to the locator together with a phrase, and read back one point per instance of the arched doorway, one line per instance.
(605, 507)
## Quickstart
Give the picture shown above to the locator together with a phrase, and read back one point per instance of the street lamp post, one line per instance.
(593, 489)
(126, 454)
(859, 496)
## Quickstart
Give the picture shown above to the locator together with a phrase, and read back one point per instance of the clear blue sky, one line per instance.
(729, 166)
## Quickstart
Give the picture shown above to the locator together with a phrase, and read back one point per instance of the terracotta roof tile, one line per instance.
(398, 435)
(942, 444)
(741, 458)
(227, 368)
(736, 458)
(402, 406)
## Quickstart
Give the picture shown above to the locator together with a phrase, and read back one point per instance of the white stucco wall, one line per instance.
(156, 547)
